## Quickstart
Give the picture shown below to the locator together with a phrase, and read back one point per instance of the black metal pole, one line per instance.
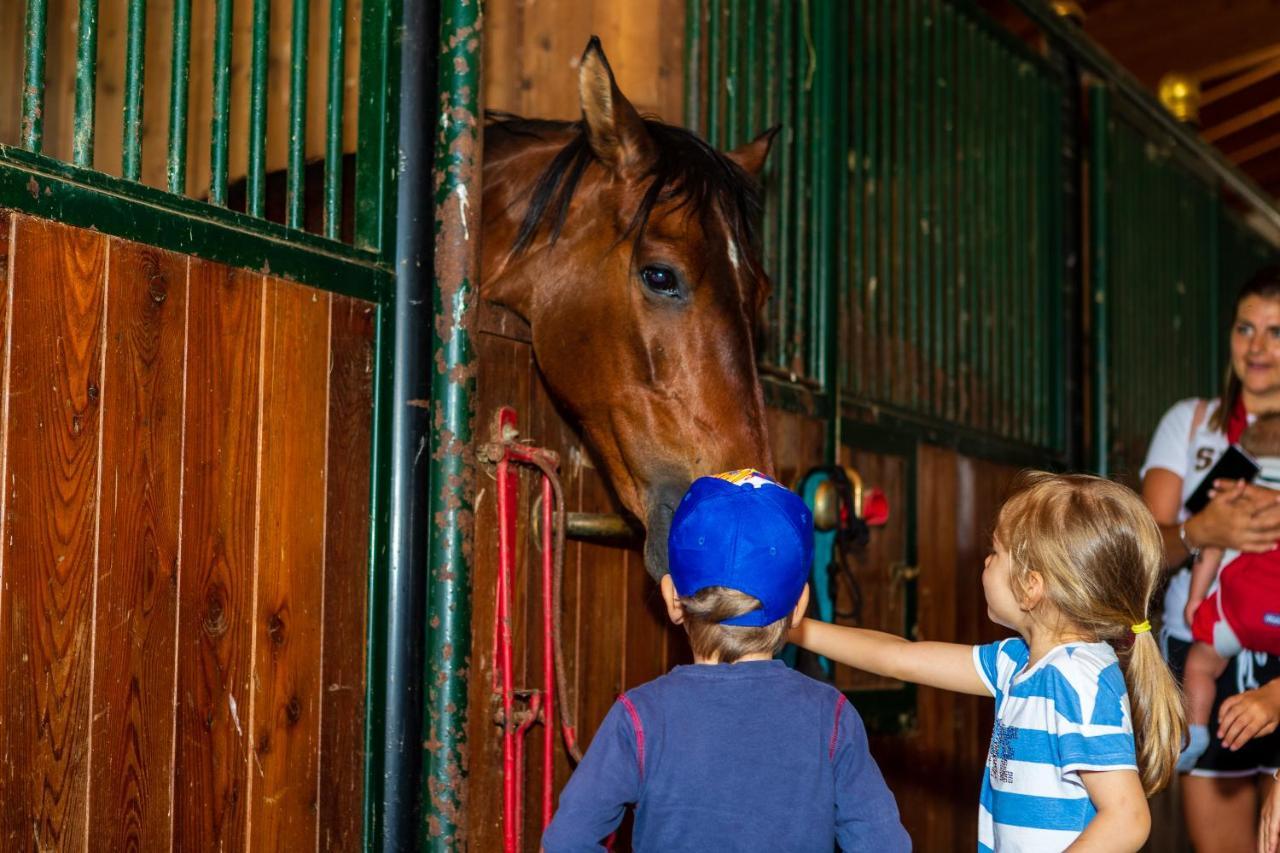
(410, 429)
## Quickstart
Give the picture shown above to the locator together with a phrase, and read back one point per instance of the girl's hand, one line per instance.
(1240, 516)
(1269, 822)
(1248, 715)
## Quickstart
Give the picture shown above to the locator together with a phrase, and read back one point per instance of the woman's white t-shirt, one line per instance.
(1174, 448)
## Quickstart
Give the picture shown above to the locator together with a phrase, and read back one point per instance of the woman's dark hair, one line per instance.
(1265, 283)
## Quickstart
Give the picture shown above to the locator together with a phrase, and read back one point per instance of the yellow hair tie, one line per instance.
(1141, 628)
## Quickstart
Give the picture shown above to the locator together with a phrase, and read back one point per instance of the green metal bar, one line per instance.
(378, 127)
(32, 131)
(176, 170)
(732, 131)
(1025, 355)
(453, 386)
(884, 195)
(715, 74)
(86, 77)
(945, 202)
(907, 191)
(135, 60)
(256, 178)
(773, 171)
(788, 190)
(220, 123)
(854, 111)
(799, 332)
(840, 317)
(820, 244)
(1002, 312)
(966, 59)
(296, 201)
(750, 79)
(1041, 183)
(871, 360)
(931, 191)
(693, 56)
(1099, 223)
(902, 294)
(333, 128)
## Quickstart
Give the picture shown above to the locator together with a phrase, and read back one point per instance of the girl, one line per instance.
(1084, 732)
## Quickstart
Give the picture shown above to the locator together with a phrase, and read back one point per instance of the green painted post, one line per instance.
(86, 76)
(1099, 220)
(221, 120)
(333, 129)
(135, 62)
(298, 116)
(452, 481)
(256, 179)
(32, 131)
(693, 62)
(178, 90)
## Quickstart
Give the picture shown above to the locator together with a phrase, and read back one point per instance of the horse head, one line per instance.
(628, 245)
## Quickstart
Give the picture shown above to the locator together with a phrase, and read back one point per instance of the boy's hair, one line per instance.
(1100, 554)
(1262, 438)
(708, 607)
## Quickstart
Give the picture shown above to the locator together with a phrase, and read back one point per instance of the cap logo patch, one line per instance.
(745, 477)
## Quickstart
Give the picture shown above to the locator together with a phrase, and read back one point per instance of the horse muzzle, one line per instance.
(662, 504)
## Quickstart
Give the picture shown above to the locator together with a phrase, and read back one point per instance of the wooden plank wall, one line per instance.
(184, 451)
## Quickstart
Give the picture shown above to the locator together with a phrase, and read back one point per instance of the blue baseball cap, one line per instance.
(743, 531)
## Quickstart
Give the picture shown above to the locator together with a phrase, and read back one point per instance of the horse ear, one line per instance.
(614, 129)
(751, 156)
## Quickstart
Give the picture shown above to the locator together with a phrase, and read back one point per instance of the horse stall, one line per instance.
(288, 448)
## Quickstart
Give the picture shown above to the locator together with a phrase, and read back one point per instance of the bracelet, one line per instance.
(1186, 543)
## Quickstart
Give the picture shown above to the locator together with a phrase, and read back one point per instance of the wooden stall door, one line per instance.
(185, 452)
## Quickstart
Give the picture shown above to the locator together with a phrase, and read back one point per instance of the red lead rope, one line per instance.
(541, 703)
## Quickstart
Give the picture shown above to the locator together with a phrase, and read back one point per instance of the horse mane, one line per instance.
(686, 170)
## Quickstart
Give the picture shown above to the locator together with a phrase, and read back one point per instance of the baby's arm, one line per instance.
(1123, 820)
(1203, 573)
(946, 665)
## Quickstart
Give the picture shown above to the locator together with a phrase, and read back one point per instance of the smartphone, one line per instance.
(1234, 464)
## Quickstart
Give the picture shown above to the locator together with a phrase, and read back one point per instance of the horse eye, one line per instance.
(661, 280)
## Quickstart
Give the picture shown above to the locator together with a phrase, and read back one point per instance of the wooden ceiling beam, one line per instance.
(1236, 84)
(1242, 121)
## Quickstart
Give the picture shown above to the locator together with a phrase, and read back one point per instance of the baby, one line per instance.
(1242, 612)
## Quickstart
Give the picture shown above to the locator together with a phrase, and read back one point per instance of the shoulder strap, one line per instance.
(1198, 418)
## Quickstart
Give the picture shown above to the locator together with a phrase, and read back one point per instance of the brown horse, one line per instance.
(628, 245)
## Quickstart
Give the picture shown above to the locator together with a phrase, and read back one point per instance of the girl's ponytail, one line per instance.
(1159, 720)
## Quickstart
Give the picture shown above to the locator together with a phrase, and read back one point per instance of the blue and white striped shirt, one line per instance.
(1067, 713)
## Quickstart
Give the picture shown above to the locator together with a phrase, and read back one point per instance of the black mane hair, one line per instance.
(686, 170)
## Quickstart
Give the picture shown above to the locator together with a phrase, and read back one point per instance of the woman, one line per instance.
(1221, 794)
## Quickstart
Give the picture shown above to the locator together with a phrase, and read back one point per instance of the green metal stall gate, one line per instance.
(927, 223)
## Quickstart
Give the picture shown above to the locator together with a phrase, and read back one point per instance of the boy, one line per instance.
(1243, 612)
(736, 751)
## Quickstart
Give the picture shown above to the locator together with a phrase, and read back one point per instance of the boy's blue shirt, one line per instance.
(745, 756)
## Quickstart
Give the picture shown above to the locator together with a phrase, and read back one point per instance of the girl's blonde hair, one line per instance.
(1100, 554)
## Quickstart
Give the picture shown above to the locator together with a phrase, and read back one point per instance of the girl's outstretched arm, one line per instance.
(946, 665)
(1123, 821)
